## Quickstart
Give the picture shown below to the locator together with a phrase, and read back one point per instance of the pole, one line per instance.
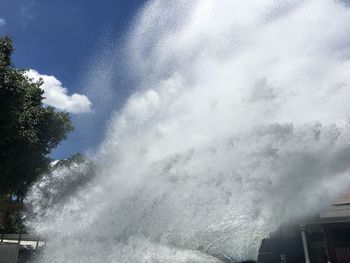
(2, 235)
(306, 249)
(37, 243)
(18, 245)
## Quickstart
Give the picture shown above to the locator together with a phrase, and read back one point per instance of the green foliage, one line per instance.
(28, 129)
(10, 215)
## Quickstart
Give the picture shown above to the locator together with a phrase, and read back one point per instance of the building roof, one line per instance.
(339, 211)
(343, 200)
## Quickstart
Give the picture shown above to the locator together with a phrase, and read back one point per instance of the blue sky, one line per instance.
(61, 39)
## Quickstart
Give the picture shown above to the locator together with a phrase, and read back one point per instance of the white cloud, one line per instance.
(56, 95)
(2, 22)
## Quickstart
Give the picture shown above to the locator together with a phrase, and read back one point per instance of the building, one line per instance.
(325, 238)
(19, 248)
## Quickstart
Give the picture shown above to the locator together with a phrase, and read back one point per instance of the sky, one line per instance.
(60, 41)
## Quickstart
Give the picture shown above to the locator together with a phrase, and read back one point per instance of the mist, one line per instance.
(239, 124)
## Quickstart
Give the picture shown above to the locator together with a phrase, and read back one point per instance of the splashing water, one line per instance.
(240, 124)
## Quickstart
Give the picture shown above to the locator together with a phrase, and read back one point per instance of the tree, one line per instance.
(29, 130)
(62, 181)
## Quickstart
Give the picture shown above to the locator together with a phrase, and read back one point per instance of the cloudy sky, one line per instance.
(63, 42)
